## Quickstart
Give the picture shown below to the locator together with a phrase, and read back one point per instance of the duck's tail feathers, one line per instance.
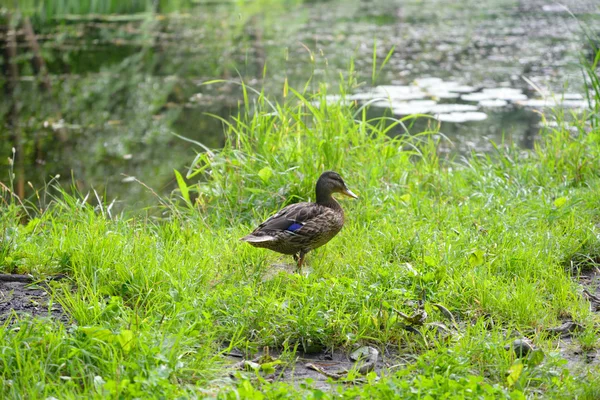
(257, 239)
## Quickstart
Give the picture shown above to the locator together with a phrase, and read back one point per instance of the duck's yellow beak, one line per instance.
(349, 193)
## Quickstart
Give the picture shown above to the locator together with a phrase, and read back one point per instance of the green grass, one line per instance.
(157, 300)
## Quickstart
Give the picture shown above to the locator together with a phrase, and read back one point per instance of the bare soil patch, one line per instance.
(324, 368)
(21, 295)
(580, 360)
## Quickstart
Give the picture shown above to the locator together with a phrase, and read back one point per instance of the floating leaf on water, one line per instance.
(452, 108)
(479, 96)
(554, 124)
(462, 89)
(363, 96)
(414, 107)
(554, 8)
(428, 82)
(553, 102)
(332, 98)
(572, 96)
(459, 117)
(402, 93)
(450, 86)
(421, 103)
(493, 103)
(383, 103)
(443, 94)
(509, 94)
(448, 90)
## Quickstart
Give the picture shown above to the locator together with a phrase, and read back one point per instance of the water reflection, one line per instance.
(121, 83)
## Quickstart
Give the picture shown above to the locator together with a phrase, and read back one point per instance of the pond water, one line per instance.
(121, 84)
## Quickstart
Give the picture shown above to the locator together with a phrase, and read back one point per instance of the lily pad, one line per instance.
(400, 92)
(462, 89)
(492, 103)
(479, 96)
(363, 96)
(458, 117)
(508, 94)
(444, 94)
(414, 107)
(428, 82)
(553, 102)
(452, 108)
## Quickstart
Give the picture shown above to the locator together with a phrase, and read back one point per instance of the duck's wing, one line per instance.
(291, 219)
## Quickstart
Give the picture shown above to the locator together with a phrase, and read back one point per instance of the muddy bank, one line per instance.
(580, 359)
(325, 369)
(21, 296)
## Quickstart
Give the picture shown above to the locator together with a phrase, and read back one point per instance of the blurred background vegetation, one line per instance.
(93, 90)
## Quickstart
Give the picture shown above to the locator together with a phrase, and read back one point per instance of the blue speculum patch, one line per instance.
(294, 227)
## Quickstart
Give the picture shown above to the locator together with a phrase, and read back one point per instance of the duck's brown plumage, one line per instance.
(301, 227)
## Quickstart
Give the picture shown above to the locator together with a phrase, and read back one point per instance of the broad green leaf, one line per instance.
(265, 174)
(269, 368)
(476, 258)
(183, 187)
(429, 260)
(31, 225)
(535, 358)
(97, 332)
(126, 340)
(514, 373)
(561, 201)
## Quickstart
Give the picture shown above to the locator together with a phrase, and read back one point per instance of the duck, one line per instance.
(301, 227)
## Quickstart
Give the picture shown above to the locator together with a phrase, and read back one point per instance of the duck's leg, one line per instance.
(300, 259)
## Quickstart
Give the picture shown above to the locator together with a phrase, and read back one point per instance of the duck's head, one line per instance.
(331, 182)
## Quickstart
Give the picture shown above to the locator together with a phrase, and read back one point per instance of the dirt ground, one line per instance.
(20, 295)
(578, 359)
(322, 368)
